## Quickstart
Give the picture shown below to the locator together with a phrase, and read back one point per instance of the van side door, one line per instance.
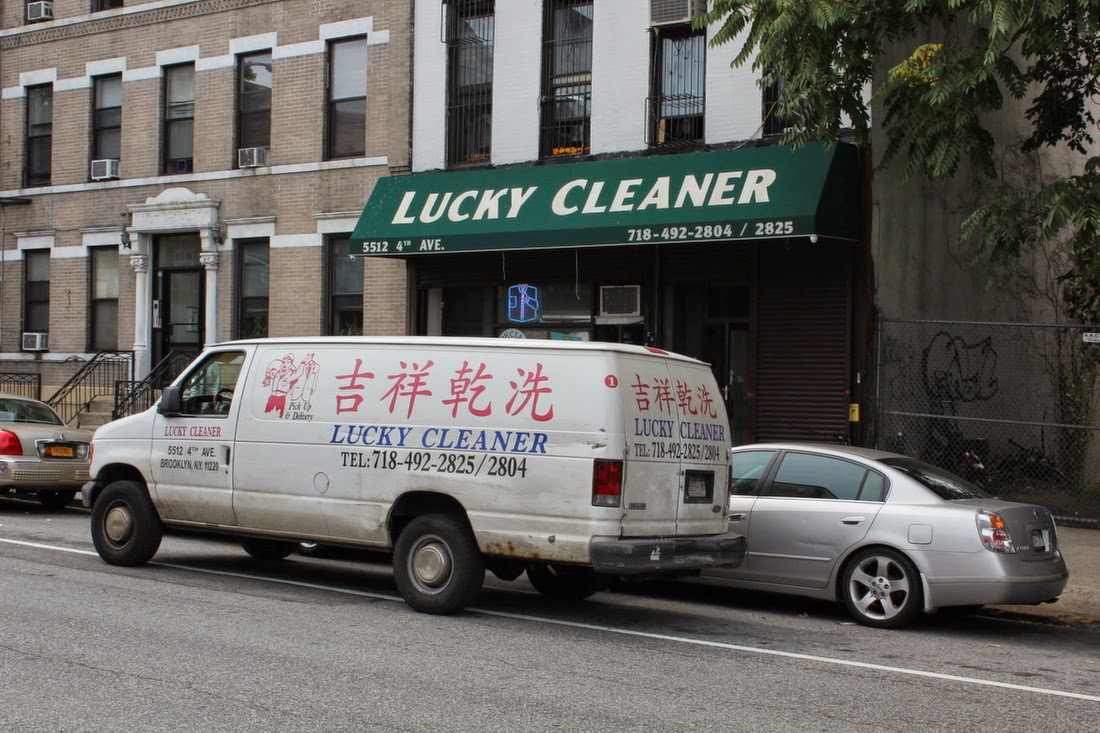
(192, 446)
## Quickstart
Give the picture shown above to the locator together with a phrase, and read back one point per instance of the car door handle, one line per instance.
(737, 517)
(854, 520)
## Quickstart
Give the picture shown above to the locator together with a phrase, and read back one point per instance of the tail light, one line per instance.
(9, 444)
(994, 533)
(607, 483)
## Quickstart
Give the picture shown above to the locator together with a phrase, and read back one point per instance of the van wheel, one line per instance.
(55, 500)
(565, 582)
(881, 588)
(437, 564)
(268, 549)
(125, 527)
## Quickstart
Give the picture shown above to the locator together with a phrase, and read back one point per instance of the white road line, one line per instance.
(613, 629)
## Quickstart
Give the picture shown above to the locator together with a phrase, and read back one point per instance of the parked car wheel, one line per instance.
(125, 527)
(261, 549)
(55, 500)
(565, 582)
(881, 588)
(437, 564)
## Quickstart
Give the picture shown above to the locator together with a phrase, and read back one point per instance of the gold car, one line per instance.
(39, 453)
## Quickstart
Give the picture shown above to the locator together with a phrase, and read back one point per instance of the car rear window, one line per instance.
(25, 411)
(944, 484)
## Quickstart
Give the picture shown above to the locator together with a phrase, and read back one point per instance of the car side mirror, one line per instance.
(169, 404)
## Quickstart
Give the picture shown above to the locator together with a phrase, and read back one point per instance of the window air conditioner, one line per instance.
(40, 11)
(105, 169)
(251, 157)
(666, 12)
(621, 300)
(35, 341)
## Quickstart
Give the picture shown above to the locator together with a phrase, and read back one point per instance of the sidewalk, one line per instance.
(1080, 601)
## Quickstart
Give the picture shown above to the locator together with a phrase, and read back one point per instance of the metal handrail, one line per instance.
(96, 378)
(132, 397)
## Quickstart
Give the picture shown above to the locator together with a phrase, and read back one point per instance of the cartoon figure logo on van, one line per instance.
(291, 386)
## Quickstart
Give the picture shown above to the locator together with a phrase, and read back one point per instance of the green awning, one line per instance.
(752, 193)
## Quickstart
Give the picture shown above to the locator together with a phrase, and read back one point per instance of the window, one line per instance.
(676, 105)
(104, 291)
(470, 28)
(107, 121)
(819, 477)
(567, 78)
(179, 118)
(775, 122)
(98, 5)
(208, 389)
(746, 470)
(254, 277)
(39, 135)
(36, 290)
(344, 279)
(347, 99)
(254, 100)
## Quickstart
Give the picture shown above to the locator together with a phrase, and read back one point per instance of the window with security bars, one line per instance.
(470, 29)
(179, 118)
(566, 126)
(39, 135)
(775, 122)
(676, 106)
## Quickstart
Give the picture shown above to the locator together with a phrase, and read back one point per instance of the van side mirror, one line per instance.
(169, 401)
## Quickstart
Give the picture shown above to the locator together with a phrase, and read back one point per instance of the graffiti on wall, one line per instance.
(955, 371)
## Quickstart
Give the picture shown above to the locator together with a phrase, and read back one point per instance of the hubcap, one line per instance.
(431, 564)
(118, 524)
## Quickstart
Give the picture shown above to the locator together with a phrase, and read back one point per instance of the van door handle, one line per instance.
(226, 461)
(854, 520)
(737, 517)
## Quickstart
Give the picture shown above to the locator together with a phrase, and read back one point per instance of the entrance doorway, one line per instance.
(178, 297)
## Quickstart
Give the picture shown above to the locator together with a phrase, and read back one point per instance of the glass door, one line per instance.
(178, 313)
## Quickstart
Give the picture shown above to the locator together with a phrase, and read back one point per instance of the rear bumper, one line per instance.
(24, 473)
(671, 555)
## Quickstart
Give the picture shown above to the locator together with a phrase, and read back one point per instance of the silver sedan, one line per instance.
(887, 535)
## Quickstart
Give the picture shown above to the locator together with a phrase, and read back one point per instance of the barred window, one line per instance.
(566, 78)
(775, 122)
(676, 107)
(470, 30)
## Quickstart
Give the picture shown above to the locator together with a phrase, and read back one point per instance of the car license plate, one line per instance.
(60, 451)
(1039, 540)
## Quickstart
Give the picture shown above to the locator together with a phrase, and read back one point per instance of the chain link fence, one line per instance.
(1014, 407)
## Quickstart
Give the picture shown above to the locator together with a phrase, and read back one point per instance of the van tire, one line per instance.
(565, 582)
(437, 565)
(261, 549)
(125, 527)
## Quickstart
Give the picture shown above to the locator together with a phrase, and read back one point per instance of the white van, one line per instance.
(571, 461)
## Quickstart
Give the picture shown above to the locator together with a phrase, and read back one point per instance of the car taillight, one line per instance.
(607, 483)
(9, 444)
(995, 535)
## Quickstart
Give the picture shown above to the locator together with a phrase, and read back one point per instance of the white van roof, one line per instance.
(460, 342)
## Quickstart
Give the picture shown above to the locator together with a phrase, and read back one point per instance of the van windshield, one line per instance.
(944, 484)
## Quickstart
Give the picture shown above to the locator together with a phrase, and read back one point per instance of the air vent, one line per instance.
(251, 157)
(104, 169)
(667, 12)
(39, 11)
(34, 341)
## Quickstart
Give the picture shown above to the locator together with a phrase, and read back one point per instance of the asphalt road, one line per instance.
(205, 638)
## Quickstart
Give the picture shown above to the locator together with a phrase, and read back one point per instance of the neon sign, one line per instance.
(523, 303)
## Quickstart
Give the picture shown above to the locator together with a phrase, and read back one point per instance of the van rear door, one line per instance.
(677, 440)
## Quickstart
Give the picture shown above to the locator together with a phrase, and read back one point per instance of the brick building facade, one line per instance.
(123, 131)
